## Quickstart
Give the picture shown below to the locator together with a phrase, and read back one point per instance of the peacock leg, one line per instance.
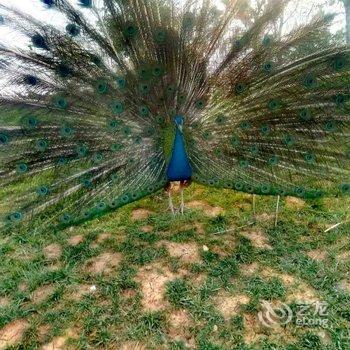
(182, 206)
(171, 205)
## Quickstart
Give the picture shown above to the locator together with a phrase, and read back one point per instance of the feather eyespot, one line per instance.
(39, 42)
(282, 192)
(102, 87)
(31, 80)
(310, 81)
(265, 189)
(86, 214)
(254, 150)
(61, 103)
(130, 31)
(221, 119)
(238, 185)
(113, 204)
(249, 188)
(188, 21)
(238, 44)
(200, 104)
(330, 126)
(65, 218)
(98, 158)
(160, 36)
(158, 71)
(265, 129)
(87, 183)
(267, 40)
(114, 177)
(116, 147)
(85, 3)
(267, 67)
(67, 131)
(121, 82)
(29, 122)
(273, 160)
(138, 140)
(300, 192)
(101, 206)
(310, 157)
(42, 191)
(16, 217)
(289, 140)
(305, 114)
(125, 198)
(144, 111)
(235, 141)
(274, 104)
(72, 29)
(117, 107)
(240, 88)
(82, 150)
(96, 60)
(22, 168)
(245, 125)
(41, 145)
(339, 63)
(62, 161)
(4, 139)
(48, 3)
(244, 163)
(144, 88)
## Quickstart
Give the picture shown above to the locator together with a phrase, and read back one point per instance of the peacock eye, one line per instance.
(330, 125)
(43, 191)
(22, 168)
(48, 2)
(121, 83)
(73, 30)
(240, 88)
(309, 157)
(65, 218)
(4, 139)
(85, 3)
(266, 40)
(16, 217)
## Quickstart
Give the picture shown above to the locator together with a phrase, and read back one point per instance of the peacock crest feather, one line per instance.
(94, 106)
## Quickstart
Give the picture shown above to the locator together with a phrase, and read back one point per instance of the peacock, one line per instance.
(129, 96)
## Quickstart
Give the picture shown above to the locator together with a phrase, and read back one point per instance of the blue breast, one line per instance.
(179, 168)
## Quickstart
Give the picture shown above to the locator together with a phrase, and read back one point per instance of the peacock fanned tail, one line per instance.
(93, 105)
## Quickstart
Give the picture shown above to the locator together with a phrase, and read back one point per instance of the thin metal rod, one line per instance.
(234, 229)
(336, 225)
(277, 210)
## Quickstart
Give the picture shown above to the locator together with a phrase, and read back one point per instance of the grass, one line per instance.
(298, 260)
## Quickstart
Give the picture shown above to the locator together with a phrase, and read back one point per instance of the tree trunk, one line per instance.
(347, 12)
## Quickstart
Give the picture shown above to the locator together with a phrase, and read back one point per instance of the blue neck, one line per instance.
(179, 168)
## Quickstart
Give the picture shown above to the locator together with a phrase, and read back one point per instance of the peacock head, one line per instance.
(179, 122)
